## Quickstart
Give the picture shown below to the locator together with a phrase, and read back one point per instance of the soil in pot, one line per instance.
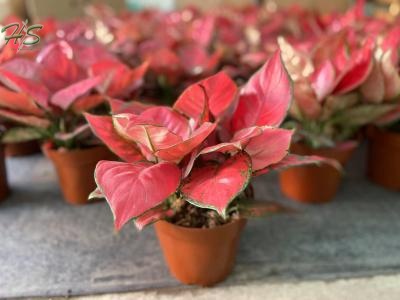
(314, 184)
(75, 170)
(22, 149)
(4, 189)
(200, 256)
(383, 166)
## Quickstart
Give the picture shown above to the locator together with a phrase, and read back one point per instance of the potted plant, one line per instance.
(48, 96)
(327, 112)
(382, 88)
(189, 168)
(4, 189)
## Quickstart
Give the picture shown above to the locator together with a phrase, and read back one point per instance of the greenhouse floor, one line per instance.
(49, 248)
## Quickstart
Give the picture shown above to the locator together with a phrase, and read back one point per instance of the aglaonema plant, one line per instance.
(199, 155)
(327, 108)
(47, 96)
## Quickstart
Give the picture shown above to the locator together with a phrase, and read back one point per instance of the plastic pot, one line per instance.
(75, 170)
(200, 256)
(383, 165)
(22, 149)
(314, 184)
(4, 188)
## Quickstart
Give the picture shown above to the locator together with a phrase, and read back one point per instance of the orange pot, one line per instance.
(384, 158)
(314, 184)
(200, 256)
(4, 189)
(75, 170)
(22, 149)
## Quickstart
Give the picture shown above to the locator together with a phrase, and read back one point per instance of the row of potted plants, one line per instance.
(188, 167)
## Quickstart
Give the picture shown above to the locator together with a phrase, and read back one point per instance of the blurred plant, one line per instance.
(327, 109)
(48, 96)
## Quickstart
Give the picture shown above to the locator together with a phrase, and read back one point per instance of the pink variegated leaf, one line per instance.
(218, 90)
(38, 92)
(392, 42)
(323, 80)
(123, 81)
(80, 130)
(131, 107)
(354, 76)
(132, 189)
(29, 120)
(306, 100)
(143, 131)
(18, 101)
(176, 152)
(169, 118)
(215, 186)
(293, 160)
(272, 88)
(202, 30)
(389, 118)
(58, 69)
(152, 216)
(22, 67)
(391, 77)
(238, 142)
(66, 97)
(86, 103)
(268, 148)
(373, 88)
(103, 128)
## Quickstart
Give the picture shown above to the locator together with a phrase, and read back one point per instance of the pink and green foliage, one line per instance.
(49, 94)
(203, 150)
(328, 80)
(382, 87)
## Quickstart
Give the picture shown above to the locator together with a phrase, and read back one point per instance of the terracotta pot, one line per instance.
(314, 184)
(200, 256)
(75, 170)
(384, 158)
(4, 189)
(22, 149)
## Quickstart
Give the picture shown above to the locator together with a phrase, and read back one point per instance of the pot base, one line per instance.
(22, 149)
(314, 184)
(4, 188)
(383, 166)
(75, 170)
(199, 256)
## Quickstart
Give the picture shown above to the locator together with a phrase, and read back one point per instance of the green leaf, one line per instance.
(362, 115)
(21, 134)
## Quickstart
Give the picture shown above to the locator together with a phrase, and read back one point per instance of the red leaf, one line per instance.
(29, 120)
(358, 71)
(86, 103)
(219, 90)
(123, 80)
(269, 148)
(165, 116)
(269, 91)
(132, 107)
(132, 189)
(215, 186)
(103, 128)
(58, 68)
(140, 130)
(18, 101)
(38, 92)
(292, 160)
(323, 80)
(65, 98)
(22, 67)
(178, 151)
(152, 216)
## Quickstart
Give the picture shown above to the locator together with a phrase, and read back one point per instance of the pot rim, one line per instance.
(197, 230)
